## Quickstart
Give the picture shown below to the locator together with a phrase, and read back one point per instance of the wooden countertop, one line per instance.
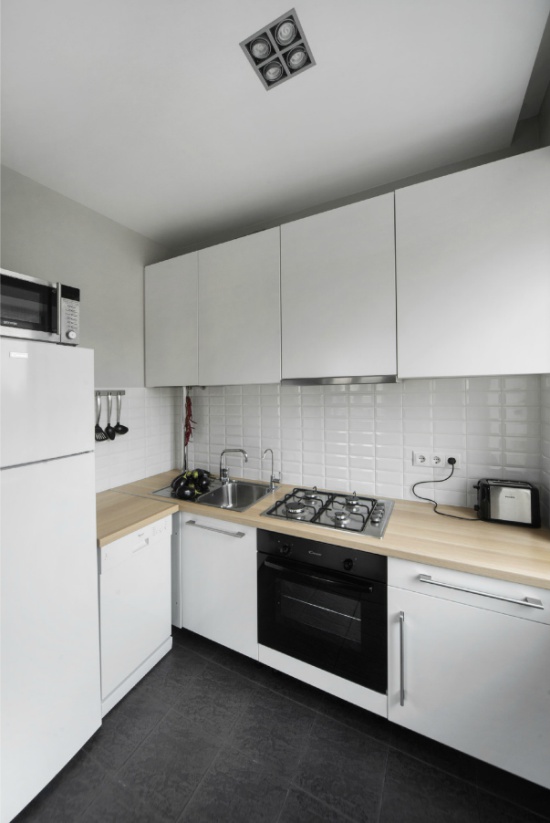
(122, 514)
(414, 533)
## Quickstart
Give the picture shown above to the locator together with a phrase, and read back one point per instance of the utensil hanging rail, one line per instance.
(110, 432)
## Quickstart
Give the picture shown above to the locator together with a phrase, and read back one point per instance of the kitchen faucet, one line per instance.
(272, 479)
(224, 472)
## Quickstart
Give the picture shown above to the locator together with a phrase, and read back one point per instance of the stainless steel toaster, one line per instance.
(508, 501)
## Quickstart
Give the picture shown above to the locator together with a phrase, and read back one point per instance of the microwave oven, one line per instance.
(38, 310)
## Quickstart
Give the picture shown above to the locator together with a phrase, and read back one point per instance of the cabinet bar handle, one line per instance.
(401, 658)
(532, 602)
(212, 529)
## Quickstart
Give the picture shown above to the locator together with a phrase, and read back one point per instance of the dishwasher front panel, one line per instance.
(135, 602)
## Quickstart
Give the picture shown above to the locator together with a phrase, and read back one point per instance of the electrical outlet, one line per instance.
(421, 458)
(437, 460)
(456, 457)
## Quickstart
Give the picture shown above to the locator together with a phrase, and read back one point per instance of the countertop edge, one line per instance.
(113, 504)
(453, 547)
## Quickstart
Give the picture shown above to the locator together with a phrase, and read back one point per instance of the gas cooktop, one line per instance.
(334, 510)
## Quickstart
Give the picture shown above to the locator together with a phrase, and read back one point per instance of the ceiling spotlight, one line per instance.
(260, 49)
(273, 71)
(296, 58)
(286, 32)
(279, 50)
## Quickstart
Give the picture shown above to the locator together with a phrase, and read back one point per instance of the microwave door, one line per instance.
(30, 308)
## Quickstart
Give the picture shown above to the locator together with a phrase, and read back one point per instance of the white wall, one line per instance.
(47, 235)
(362, 437)
(50, 236)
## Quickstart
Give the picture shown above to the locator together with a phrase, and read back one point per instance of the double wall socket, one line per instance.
(434, 459)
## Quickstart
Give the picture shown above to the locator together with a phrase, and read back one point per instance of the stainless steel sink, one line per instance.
(237, 495)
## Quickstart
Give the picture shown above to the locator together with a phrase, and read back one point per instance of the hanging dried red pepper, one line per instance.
(189, 422)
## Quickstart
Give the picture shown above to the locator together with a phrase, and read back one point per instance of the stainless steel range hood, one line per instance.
(339, 381)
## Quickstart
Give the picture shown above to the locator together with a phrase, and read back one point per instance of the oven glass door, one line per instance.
(332, 621)
(29, 308)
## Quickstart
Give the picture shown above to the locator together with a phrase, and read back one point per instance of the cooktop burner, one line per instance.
(347, 512)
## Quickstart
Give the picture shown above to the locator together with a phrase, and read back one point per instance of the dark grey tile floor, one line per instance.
(211, 736)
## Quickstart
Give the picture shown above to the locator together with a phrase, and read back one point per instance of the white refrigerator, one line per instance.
(49, 630)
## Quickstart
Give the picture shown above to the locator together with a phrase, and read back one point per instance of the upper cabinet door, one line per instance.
(338, 292)
(239, 311)
(171, 317)
(473, 271)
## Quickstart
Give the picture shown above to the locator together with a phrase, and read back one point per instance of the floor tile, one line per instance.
(356, 718)
(514, 789)
(302, 808)
(173, 671)
(292, 688)
(125, 727)
(416, 792)
(165, 770)
(274, 728)
(432, 752)
(68, 795)
(344, 769)
(496, 810)
(195, 643)
(211, 735)
(243, 665)
(237, 789)
(213, 700)
(114, 803)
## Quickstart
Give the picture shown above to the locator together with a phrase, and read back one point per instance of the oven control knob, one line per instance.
(285, 548)
(348, 564)
(71, 335)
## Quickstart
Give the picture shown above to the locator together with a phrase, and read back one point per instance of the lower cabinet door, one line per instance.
(218, 582)
(471, 678)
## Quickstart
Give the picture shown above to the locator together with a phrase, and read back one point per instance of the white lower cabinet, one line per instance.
(471, 670)
(134, 608)
(217, 582)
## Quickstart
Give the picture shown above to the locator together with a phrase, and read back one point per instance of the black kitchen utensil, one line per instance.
(109, 430)
(99, 433)
(119, 428)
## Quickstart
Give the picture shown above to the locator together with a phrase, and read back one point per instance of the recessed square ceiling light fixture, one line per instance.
(279, 50)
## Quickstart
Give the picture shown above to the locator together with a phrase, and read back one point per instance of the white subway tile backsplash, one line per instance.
(522, 398)
(483, 383)
(154, 442)
(448, 385)
(362, 436)
(388, 425)
(522, 461)
(528, 445)
(527, 429)
(522, 413)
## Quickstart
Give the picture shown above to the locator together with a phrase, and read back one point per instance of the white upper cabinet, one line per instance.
(239, 311)
(338, 292)
(473, 271)
(171, 317)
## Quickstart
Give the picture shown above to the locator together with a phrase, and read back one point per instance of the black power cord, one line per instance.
(451, 461)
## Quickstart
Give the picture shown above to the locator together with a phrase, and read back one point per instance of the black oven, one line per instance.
(324, 605)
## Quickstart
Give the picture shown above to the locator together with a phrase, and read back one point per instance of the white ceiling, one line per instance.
(148, 111)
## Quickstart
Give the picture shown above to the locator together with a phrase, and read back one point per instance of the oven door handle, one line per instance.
(360, 585)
